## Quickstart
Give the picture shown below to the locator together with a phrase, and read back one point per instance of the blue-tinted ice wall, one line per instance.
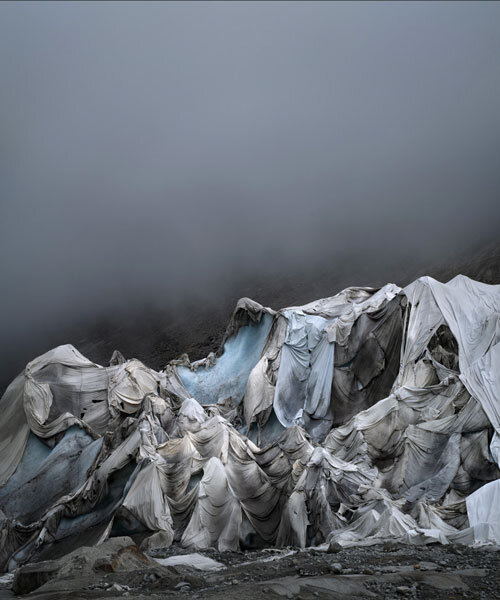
(229, 376)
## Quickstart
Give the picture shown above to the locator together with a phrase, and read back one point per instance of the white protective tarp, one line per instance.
(483, 512)
(299, 356)
(409, 455)
(306, 371)
(472, 311)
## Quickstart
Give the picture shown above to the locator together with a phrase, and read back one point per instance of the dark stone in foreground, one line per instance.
(31, 577)
(115, 555)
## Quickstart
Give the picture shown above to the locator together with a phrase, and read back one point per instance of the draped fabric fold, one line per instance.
(371, 415)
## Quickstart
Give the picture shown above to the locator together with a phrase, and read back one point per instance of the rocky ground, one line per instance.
(120, 570)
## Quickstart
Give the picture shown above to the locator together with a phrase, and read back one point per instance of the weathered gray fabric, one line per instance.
(408, 377)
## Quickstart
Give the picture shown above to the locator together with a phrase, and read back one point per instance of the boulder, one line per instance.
(114, 555)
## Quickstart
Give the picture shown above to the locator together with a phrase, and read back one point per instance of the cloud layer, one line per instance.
(159, 152)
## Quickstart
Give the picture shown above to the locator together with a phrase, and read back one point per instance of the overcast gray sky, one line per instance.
(156, 151)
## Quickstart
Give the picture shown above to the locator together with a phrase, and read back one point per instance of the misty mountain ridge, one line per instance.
(157, 336)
